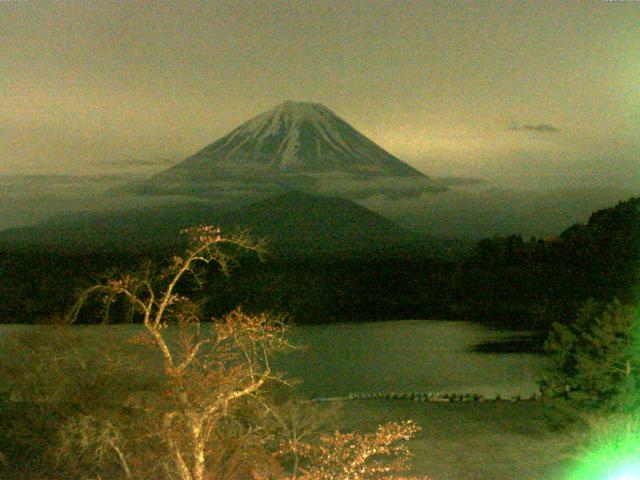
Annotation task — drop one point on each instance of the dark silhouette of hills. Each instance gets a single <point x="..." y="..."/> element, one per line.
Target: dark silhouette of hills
<point x="334" y="260"/>
<point x="607" y="250"/>
<point x="293" y="222"/>
<point x="305" y="223"/>
<point x="535" y="282"/>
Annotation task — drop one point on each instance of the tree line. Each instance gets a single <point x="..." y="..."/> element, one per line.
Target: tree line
<point x="508" y="280"/>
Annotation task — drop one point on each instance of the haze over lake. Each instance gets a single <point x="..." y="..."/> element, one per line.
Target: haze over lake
<point x="407" y="356"/>
<point x="398" y="356"/>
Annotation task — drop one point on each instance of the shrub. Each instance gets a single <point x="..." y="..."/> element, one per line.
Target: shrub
<point x="594" y="363"/>
<point x="210" y="413"/>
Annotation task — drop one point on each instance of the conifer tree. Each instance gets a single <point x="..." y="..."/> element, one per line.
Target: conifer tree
<point x="594" y="362"/>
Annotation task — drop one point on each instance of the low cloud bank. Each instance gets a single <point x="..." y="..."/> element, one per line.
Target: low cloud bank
<point x="539" y="128"/>
<point x="343" y="185"/>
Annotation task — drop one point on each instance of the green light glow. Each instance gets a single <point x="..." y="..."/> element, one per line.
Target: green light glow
<point x="619" y="460"/>
<point x="613" y="449"/>
<point x="627" y="474"/>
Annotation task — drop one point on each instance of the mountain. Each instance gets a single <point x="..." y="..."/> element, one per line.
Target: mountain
<point x="294" y="146"/>
<point x="308" y="224"/>
<point x="293" y="222"/>
<point x="294" y="137"/>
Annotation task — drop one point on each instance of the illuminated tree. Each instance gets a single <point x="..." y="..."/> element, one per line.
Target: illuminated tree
<point x="209" y="375"/>
<point x="357" y="456"/>
<point x="213" y="416"/>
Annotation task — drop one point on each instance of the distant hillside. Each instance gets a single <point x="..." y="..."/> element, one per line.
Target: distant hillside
<point x="332" y="259"/>
<point x="133" y="229"/>
<point x="474" y="212"/>
<point x="328" y="259"/>
<point x="302" y="223"/>
<point x="538" y="281"/>
<point x="606" y="250"/>
<point x="293" y="222"/>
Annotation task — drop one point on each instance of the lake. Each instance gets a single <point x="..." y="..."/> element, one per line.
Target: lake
<point x="398" y="356"/>
<point x="407" y="356"/>
<point x="471" y="441"/>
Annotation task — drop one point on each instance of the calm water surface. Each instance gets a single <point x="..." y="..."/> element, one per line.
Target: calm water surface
<point x="406" y="356"/>
<point x="401" y="356"/>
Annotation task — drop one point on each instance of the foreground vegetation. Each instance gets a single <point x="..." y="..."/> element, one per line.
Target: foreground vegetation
<point x="216" y="410"/>
<point x="592" y="388"/>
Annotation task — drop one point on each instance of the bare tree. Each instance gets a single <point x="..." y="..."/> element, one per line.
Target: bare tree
<point x="357" y="456"/>
<point x="210" y="369"/>
<point x="95" y="438"/>
<point x="61" y="399"/>
<point x="211" y="414"/>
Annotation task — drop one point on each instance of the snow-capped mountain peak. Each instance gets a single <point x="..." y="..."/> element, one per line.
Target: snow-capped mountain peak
<point x="296" y="137"/>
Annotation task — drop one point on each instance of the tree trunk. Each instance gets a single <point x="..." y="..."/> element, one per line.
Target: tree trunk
<point x="198" y="452"/>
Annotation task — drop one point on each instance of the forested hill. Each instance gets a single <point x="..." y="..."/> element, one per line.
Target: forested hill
<point x="607" y="248"/>
<point x="291" y="223"/>
<point x="540" y="280"/>
<point x="508" y="280"/>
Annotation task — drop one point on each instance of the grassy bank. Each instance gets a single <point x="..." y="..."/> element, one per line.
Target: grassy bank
<point x="471" y="441"/>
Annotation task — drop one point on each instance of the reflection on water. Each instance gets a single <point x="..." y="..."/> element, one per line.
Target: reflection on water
<point x="406" y="356"/>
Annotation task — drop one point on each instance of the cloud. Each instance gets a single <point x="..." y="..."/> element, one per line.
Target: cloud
<point x="334" y="184"/>
<point x="539" y="128"/>
<point x="391" y="187"/>
<point x="139" y="162"/>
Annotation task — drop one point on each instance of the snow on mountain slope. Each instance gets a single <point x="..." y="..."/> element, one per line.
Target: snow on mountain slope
<point x="297" y="137"/>
<point x="294" y="146"/>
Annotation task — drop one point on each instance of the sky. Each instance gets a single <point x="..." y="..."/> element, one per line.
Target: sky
<point x="531" y="93"/>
